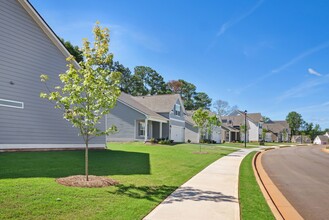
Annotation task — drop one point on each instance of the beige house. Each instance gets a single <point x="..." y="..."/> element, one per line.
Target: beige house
<point x="277" y="131"/>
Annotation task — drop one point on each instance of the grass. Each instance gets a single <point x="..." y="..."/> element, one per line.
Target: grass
<point x="147" y="175"/>
<point x="253" y="144"/>
<point x="252" y="203"/>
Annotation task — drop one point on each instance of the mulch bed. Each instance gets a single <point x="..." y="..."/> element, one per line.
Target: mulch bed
<point x="204" y="152"/>
<point x="93" y="182"/>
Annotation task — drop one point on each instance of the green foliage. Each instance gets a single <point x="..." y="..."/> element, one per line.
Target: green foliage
<point x="126" y="78"/>
<point x="264" y="131"/>
<point x="74" y="50"/>
<point x="295" y="121"/>
<point x="266" y="119"/>
<point x="202" y="100"/>
<point x="89" y="92"/>
<point x="188" y="91"/>
<point x="311" y="130"/>
<point x="252" y="202"/>
<point x="200" y="118"/>
<point x="146" y="81"/>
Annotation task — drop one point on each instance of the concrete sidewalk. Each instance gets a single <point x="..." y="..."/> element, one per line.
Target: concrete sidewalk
<point x="211" y="194"/>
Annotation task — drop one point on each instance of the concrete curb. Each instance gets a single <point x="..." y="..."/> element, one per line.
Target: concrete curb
<point x="280" y="206"/>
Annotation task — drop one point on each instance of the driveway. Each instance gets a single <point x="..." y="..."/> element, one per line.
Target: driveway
<point x="302" y="175"/>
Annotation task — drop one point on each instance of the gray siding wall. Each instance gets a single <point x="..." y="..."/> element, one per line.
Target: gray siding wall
<point x="178" y="117"/>
<point x="191" y="133"/>
<point x="26" y="52"/>
<point x="124" y="118"/>
<point x="156" y="129"/>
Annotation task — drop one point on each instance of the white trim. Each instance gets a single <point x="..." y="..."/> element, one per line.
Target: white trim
<point x="45" y="146"/>
<point x="174" y="119"/>
<point x="11" y="106"/>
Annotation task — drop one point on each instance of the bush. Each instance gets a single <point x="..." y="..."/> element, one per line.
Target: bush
<point x="262" y="143"/>
<point x="188" y="141"/>
<point x="167" y="142"/>
<point x="153" y="141"/>
<point x="223" y="141"/>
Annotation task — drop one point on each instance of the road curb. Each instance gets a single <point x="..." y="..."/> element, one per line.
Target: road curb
<point x="279" y="205"/>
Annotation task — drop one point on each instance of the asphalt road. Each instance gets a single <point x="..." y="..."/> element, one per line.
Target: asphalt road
<point x="302" y="175"/>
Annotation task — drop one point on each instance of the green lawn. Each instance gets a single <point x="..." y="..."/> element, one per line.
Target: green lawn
<point x="147" y="174"/>
<point x="252" y="203"/>
<point x="253" y="144"/>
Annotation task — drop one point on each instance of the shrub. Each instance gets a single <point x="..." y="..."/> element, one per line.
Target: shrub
<point x="188" y="141"/>
<point x="153" y="141"/>
<point x="223" y="141"/>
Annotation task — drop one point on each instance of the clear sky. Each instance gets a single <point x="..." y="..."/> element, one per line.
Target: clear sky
<point x="264" y="56"/>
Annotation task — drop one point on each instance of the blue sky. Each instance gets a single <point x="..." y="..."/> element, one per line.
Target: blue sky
<point x="264" y="56"/>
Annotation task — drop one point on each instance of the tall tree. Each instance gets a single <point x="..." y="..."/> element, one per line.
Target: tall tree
<point x="138" y="85"/>
<point x="175" y="86"/>
<point x="147" y="81"/>
<point x="87" y="94"/>
<point x="126" y="79"/>
<point x="74" y="50"/>
<point x="202" y="100"/>
<point x="223" y="108"/>
<point x="295" y="121"/>
<point x="266" y="119"/>
<point x="188" y="91"/>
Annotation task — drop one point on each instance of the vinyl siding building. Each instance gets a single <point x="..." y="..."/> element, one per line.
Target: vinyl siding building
<point x="30" y="48"/>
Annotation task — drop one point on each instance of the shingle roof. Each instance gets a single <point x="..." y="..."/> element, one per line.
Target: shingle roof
<point x="131" y="102"/>
<point x="323" y="138"/>
<point x="158" y="103"/>
<point x="274" y="127"/>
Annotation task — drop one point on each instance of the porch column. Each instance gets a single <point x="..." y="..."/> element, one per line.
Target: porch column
<point x="146" y="129"/>
<point x="160" y="134"/>
<point x="229" y="136"/>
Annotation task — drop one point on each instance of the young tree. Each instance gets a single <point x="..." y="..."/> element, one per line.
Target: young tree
<point x="200" y="118"/>
<point x="295" y="121"/>
<point x="284" y="133"/>
<point x="212" y="122"/>
<point x="243" y="131"/>
<point x="264" y="131"/>
<point x="88" y="93"/>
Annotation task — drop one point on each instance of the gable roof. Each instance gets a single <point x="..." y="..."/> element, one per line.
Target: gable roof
<point x="132" y="103"/>
<point x="46" y="29"/>
<point x="274" y="127"/>
<point x="160" y="103"/>
<point x="237" y="117"/>
<point x="323" y="138"/>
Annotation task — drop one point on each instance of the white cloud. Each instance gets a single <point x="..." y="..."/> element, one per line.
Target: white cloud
<point x="304" y="88"/>
<point x="313" y="72"/>
<point x="301" y="56"/>
<point x="230" y="23"/>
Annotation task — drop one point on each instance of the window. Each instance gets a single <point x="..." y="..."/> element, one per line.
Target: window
<point x="11" y="104"/>
<point x="177" y="109"/>
<point x="141" y="128"/>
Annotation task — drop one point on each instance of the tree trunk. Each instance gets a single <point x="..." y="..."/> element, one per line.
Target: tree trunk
<point x="86" y="161"/>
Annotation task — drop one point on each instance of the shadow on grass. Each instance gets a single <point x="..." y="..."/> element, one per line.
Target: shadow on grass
<point x="66" y="163"/>
<point x="159" y="193"/>
<point x="151" y="193"/>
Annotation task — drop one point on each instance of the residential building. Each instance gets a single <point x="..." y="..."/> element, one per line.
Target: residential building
<point x="192" y="133"/>
<point x="140" y="118"/>
<point x="277" y="131"/>
<point x="232" y="130"/>
<point x="30" y="48"/>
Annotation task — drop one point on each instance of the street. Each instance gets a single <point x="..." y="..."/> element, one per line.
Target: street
<point x="301" y="174"/>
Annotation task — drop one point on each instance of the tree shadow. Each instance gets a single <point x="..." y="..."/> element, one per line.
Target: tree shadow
<point x="66" y="163"/>
<point x="192" y="194"/>
<point x="151" y="193"/>
<point x="158" y="193"/>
